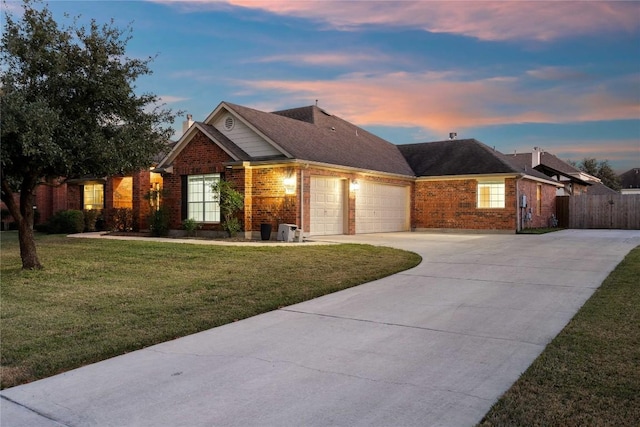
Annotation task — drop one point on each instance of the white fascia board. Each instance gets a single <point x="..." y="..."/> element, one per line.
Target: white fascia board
<point x="585" y="177"/>
<point x="545" y="181"/>
<point x="214" y="113"/>
<point x="213" y="138"/>
<point x="482" y="177"/>
<point x="210" y="119"/>
<point x="327" y="166"/>
<point x="182" y="142"/>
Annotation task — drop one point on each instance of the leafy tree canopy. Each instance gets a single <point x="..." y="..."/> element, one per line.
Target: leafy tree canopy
<point x="599" y="169"/>
<point x="69" y="104"/>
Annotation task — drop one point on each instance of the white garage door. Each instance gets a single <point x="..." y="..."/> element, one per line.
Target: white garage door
<point x="382" y="208"/>
<point x="327" y="206"/>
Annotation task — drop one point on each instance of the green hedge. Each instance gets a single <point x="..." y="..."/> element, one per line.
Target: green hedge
<point x="66" y="222"/>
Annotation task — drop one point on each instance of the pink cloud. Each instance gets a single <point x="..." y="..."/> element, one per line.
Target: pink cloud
<point x="324" y="59"/>
<point x="441" y="102"/>
<point x="493" y="20"/>
<point x="557" y="73"/>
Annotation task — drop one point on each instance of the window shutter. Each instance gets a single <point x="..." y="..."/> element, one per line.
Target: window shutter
<point x="183" y="197"/>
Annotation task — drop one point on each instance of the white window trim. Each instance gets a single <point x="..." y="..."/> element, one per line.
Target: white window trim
<point x="496" y="201"/>
<point x="208" y="200"/>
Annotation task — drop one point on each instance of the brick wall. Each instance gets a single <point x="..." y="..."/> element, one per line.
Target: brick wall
<point x="451" y="204"/>
<point x="269" y="203"/>
<point x="140" y="201"/>
<point x="200" y="156"/>
<point x="539" y="214"/>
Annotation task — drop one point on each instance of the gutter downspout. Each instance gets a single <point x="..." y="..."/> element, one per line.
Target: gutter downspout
<point x="518" y="208"/>
<point x="301" y="237"/>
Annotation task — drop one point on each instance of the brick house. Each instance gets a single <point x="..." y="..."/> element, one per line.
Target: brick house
<point x="307" y="167"/>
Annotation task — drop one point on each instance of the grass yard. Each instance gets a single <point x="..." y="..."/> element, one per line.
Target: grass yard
<point x="96" y="299"/>
<point x="590" y="373"/>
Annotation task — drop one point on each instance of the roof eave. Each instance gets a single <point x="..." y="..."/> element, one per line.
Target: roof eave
<point x="307" y="163"/>
<point x="469" y="176"/>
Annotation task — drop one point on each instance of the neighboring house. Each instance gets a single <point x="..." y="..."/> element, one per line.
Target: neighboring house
<point x="630" y="181"/>
<point x="575" y="182"/>
<point x="599" y="189"/>
<point x="306" y="167"/>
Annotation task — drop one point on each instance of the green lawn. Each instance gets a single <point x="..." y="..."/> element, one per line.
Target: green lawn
<point x="590" y="373"/>
<point x="100" y="298"/>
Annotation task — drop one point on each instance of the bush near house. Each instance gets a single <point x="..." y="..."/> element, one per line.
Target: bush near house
<point x="120" y="219"/>
<point x="159" y="222"/>
<point x="66" y="222"/>
<point x="90" y="219"/>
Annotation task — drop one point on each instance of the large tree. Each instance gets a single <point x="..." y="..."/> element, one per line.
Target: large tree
<point x="69" y="108"/>
<point x="600" y="169"/>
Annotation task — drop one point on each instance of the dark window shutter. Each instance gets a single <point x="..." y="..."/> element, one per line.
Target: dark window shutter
<point x="183" y="198"/>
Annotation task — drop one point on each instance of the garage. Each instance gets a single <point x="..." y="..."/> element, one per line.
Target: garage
<point x="327" y="205"/>
<point x="382" y="208"/>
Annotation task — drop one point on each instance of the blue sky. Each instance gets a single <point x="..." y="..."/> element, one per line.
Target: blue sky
<point x="561" y="75"/>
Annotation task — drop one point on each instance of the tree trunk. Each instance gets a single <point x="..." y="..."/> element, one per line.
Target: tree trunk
<point x="28" y="251"/>
<point x="23" y="215"/>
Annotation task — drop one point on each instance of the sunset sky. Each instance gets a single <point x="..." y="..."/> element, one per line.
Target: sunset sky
<point x="564" y="76"/>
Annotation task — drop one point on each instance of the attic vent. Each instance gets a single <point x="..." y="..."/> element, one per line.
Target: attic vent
<point x="229" y="123"/>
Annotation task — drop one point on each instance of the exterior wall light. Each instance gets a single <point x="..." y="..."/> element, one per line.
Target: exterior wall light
<point x="289" y="184"/>
<point x="354" y="185"/>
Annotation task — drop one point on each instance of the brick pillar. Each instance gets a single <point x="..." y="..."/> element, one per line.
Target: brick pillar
<point x="140" y="202"/>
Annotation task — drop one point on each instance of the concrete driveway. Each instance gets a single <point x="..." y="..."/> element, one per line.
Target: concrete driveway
<point x="432" y="346"/>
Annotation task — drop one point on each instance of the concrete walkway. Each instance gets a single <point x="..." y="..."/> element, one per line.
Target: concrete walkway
<point x="432" y="346"/>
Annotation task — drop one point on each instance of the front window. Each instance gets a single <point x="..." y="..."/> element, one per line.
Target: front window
<point x="202" y="203"/>
<point x="93" y="197"/>
<point x="491" y="194"/>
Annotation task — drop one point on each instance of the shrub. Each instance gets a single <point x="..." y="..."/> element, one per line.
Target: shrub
<point x="121" y="219"/>
<point x="190" y="225"/>
<point x="232" y="226"/>
<point x="90" y="218"/>
<point x="66" y="222"/>
<point x="159" y="222"/>
<point x="231" y="201"/>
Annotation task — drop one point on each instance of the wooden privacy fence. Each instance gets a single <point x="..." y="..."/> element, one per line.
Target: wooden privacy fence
<point x="611" y="211"/>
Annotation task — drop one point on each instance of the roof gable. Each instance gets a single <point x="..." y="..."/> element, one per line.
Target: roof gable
<point x="243" y="133"/>
<point x="210" y="132"/>
<point x="312" y="134"/>
<point x="550" y="165"/>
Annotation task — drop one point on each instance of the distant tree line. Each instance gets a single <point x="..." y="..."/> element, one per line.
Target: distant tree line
<point x="600" y="169"/>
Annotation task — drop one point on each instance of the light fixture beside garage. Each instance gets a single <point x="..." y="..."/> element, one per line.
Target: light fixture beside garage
<point x="289" y="183"/>
<point x="354" y="185"/>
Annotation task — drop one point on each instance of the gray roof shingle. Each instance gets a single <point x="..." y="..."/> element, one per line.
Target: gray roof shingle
<point x="455" y="157"/>
<point x="630" y="179"/>
<point x="599" y="189"/>
<point x="310" y="133"/>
